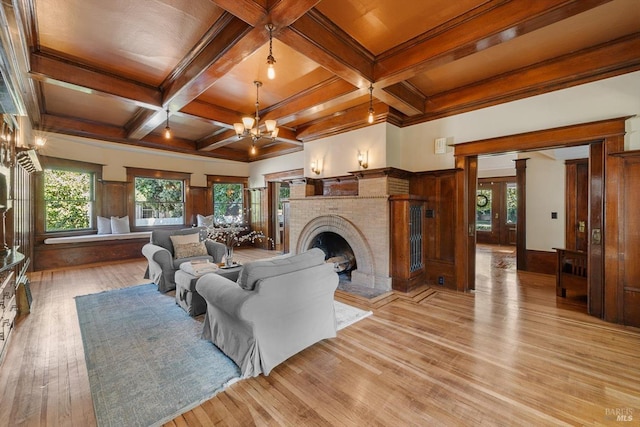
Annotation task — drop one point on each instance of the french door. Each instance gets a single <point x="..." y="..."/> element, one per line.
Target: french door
<point x="496" y="211"/>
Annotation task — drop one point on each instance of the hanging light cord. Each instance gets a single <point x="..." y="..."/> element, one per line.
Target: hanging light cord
<point x="371" y="112"/>
<point x="271" y="73"/>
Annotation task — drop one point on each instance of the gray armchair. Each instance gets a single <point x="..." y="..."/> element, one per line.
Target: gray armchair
<point x="163" y="264"/>
<point x="277" y="308"/>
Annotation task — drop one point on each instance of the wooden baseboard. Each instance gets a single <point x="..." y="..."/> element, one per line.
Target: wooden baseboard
<point x="541" y="262"/>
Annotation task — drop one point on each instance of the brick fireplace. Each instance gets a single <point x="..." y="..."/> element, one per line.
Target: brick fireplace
<point x="362" y="219"/>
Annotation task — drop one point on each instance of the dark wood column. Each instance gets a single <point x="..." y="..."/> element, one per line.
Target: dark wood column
<point x="613" y="235"/>
<point x="466" y="183"/>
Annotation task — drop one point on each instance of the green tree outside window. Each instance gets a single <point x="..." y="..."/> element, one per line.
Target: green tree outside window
<point x="159" y="201"/>
<point x="228" y="203"/>
<point x="68" y="200"/>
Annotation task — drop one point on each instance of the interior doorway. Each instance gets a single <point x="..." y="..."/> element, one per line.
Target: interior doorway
<point x="605" y="140"/>
<point x="496" y="211"/>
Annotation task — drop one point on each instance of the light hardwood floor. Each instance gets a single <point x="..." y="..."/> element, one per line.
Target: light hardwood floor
<point x="510" y="353"/>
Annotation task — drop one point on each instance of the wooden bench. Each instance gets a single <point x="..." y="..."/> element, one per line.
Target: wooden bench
<point x="572" y="272"/>
<point x="58" y="252"/>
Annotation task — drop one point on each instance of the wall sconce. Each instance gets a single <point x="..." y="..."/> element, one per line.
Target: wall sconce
<point x="315" y="167"/>
<point x="363" y="159"/>
<point x="40" y="141"/>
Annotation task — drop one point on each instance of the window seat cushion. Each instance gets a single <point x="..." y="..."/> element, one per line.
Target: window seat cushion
<point x="97" y="237"/>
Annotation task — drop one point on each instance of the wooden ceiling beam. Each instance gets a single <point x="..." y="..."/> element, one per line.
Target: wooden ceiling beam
<point x="228" y="137"/>
<point x="320" y="96"/>
<point x="249" y="11"/>
<point x="483" y="28"/>
<point x="219" y="116"/>
<point x="282" y="14"/>
<point x="323" y="42"/>
<point x="227" y="43"/>
<point x="271" y="151"/>
<point x="403" y="95"/>
<point x="220" y="139"/>
<point x="286" y="12"/>
<point x="606" y="60"/>
<point x="54" y="70"/>
<point x="102" y="132"/>
<point x="353" y="118"/>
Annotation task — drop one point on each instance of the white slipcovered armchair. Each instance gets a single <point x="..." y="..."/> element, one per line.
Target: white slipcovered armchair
<point x="276" y="309"/>
<point x="164" y="259"/>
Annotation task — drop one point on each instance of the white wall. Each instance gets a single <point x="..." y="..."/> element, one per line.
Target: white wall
<point x="545" y="194"/>
<point x="116" y="157"/>
<point x="495" y="166"/>
<point x="258" y="169"/>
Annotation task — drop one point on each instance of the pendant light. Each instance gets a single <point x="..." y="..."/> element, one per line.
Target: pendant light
<point x="167" y="129"/>
<point x="271" y="72"/>
<point x="370" y="118"/>
<point x="250" y="126"/>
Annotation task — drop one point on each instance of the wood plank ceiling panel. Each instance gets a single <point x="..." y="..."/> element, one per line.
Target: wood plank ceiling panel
<point x="143" y="40"/>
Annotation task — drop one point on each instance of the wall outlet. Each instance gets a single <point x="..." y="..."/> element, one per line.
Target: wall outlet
<point x="441" y="280"/>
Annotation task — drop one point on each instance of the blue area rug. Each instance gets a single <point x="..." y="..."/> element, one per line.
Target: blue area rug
<point x="146" y="361"/>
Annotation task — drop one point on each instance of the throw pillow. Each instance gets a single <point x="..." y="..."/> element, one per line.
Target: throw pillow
<point x="104" y="225"/>
<point x="183" y="239"/>
<point x="188" y="250"/>
<point x="254" y="271"/>
<point x="162" y="238"/>
<point x="204" y="221"/>
<point x="120" y="225"/>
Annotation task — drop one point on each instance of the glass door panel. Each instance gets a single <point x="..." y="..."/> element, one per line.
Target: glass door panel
<point x="483" y="209"/>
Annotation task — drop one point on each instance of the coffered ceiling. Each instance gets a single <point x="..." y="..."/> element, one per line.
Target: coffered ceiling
<point x="109" y="69"/>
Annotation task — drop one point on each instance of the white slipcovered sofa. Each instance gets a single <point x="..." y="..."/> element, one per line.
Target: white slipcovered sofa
<point x="277" y="308"/>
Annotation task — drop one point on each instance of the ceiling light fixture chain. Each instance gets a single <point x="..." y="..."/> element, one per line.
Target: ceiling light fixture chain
<point x="246" y="128"/>
<point x="371" y="112"/>
<point x="271" y="72"/>
<point x="167" y="129"/>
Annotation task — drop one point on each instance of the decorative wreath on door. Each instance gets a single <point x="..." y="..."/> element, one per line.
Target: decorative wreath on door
<point x="482" y="200"/>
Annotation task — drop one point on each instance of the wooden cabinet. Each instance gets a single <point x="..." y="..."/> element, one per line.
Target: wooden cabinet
<point x="8" y="302"/>
<point x="407" y="255"/>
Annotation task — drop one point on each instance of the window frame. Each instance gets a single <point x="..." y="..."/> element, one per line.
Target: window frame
<point x="73" y="166"/>
<point x="133" y="173"/>
<point x="224" y="179"/>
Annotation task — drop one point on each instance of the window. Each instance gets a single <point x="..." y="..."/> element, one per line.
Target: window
<point x="228" y="203"/>
<point x="512" y="203"/>
<point x="159" y="201"/>
<point x="68" y="200"/>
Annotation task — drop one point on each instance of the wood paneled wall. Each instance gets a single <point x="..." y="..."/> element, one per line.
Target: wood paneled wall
<point x="439" y="190"/>
<point x="22" y="219"/>
<point x="628" y="241"/>
<point x="576" y="204"/>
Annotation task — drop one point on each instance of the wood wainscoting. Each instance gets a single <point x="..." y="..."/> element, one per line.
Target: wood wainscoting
<point x="541" y="261"/>
<point x="62" y="255"/>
